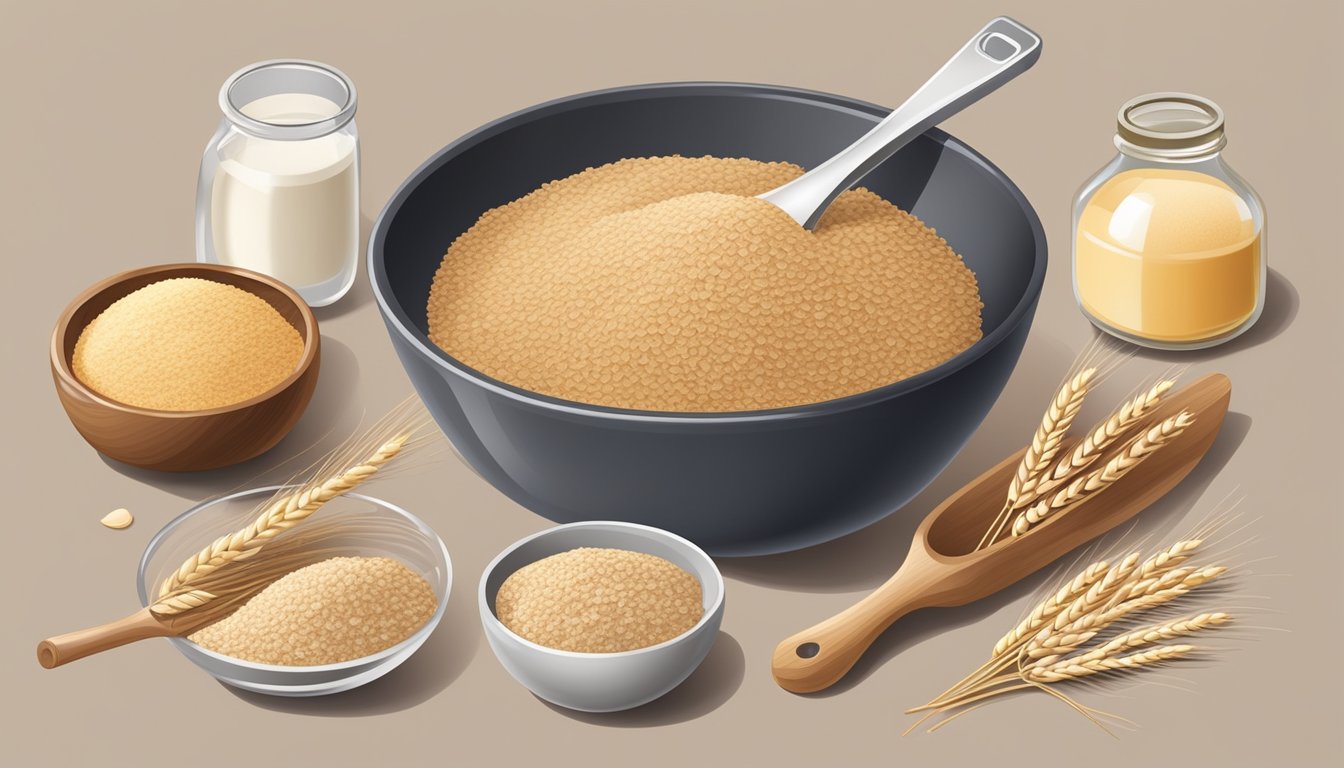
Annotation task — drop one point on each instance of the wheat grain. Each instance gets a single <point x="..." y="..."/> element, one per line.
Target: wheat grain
<point x="283" y="514"/>
<point x="1098" y="480"/>
<point x="1090" y="448"/>
<point x="1068" y="670"/>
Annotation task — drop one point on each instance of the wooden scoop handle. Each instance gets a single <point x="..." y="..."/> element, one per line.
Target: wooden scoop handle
<point x="62" y="649"/>
<point x="816" y="658"/>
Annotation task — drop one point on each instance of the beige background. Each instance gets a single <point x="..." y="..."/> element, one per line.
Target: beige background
<point x="109" y="105"/>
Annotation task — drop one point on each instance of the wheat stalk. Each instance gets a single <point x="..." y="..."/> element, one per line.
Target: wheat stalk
<point x="226" y="589"/>
<point x="1068" y="670"/>
<point x="1098" y="480"/>
<point x="1152" y="635"/>
<point x="1064" y="609"/>
<point x="178" y="603"/>
<point x="1090" y="448"/>
<point x="1053" y="605"/>
<point x="1054" y="426"/>
<point x="1095" y="596"/>
<point x="284" y="513"/>
<point x="1049" y="645"/>
<point x="1170" y="586"/>
<point x="1152" y="568"/>
<point x="1045" y="444"/>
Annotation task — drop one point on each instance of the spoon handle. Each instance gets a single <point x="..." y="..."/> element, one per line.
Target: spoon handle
<point x="816" y="658"/>
<point x="63" y="649"/>
<point x="996" y="54"/>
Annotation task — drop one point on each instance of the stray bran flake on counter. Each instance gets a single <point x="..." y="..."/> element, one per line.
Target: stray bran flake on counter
<point x="663" y="284"/>
<point x="332" y="611"/>
<point x="591" y="600"/>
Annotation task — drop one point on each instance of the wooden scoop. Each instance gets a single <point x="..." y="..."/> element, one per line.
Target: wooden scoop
<point x="141" y="625"/>
<point x="944" y="569"/>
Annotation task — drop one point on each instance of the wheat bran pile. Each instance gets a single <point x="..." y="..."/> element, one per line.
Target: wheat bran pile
<point x="662" y="284"/>
<point x="592" y="600"/>
<point x="332" y="611"/>
<point x="186" y="344"/>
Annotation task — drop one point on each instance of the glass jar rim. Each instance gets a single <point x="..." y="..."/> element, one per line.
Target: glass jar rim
<point x="1170" y="123"/>
<point x="276" y="76"/>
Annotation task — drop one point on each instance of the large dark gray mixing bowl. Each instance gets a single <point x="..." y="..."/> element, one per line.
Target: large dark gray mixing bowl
<point x="739" y="483"/>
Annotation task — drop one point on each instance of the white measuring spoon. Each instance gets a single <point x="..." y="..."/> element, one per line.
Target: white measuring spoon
<point x="996" y="54"/>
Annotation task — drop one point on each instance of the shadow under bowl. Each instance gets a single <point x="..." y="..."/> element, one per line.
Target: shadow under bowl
<point x="603" y="682"/>
<point x="746" y="483"/>
<point x="384" y="530"/>
<point x="184" y="441"/>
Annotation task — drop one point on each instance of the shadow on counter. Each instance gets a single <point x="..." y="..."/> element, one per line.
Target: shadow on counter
<point x="440" y="661"/>
<point x="711" y="685"/>
<point x="332" y="416"/>
<point x="1156" y="525"/>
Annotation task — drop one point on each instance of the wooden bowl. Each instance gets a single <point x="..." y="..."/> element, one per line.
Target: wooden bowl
<point x="184" y="441"/>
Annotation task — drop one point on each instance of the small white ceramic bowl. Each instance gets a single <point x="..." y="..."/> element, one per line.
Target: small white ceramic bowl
<point x="603" y="682"/>
<point x="384" y="530"/>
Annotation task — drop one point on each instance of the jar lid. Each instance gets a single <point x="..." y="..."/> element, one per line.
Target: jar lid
<point x="1180" y="123"/>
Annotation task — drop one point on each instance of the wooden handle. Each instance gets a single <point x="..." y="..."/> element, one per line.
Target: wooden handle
<point x="62" y="649"/>
<point x="816" y="658"/>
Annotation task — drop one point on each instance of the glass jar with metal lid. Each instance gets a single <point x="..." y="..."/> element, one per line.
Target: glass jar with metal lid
<point x="279" y="185"/>
<point x="1168" y="241"/>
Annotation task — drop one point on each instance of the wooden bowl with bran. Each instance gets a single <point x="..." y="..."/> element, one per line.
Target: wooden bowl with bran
<point x="184" y="441"/>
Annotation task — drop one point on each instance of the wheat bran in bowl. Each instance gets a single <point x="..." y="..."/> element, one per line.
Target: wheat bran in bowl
<point x="663" y="284"/>
<point x="186" y="344"/>
<point x="599" y="600"/>
<point x="336" y="610"/>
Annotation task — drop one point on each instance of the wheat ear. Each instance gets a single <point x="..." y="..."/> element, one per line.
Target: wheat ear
<point x="1090" y="448"/>
<point x="1052" y="606"/>
<point x="175" y="604"/>
<point x="1153" y="635"/>
<point x="1045" y="443"/>
<point x="1050" y="433"/>
<point x="283" y="514"/>
<point x="1069" y="670"/>
<point x="1152" y="568"/>
<point x="1097" y="480"/>
<point x="1170" y="586"/>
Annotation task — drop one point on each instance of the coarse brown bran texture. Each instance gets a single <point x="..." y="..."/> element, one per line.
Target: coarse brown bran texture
<point x="663" y="284"/>
<point x="593" y="600"/>
<point x="186" y="344"/>
<point x="336" y="610"/>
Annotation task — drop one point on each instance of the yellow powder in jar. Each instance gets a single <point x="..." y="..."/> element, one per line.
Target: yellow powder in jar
<point x="663" y="284"/>
<point x="1168" y="255"/>
<point x="597" y="600"/>
<point x="335" y="610"/>
<point x="186" y="344"/>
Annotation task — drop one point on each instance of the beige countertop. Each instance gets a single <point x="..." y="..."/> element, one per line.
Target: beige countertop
<point x="109" y="106"/>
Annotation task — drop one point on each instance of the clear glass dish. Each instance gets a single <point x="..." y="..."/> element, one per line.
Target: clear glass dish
<point x="384" y="529"/>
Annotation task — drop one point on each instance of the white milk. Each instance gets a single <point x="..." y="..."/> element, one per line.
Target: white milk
<point x="289" y="209"/>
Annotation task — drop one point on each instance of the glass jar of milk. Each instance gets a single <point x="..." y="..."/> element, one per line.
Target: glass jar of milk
<point x="279" y="185"/>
